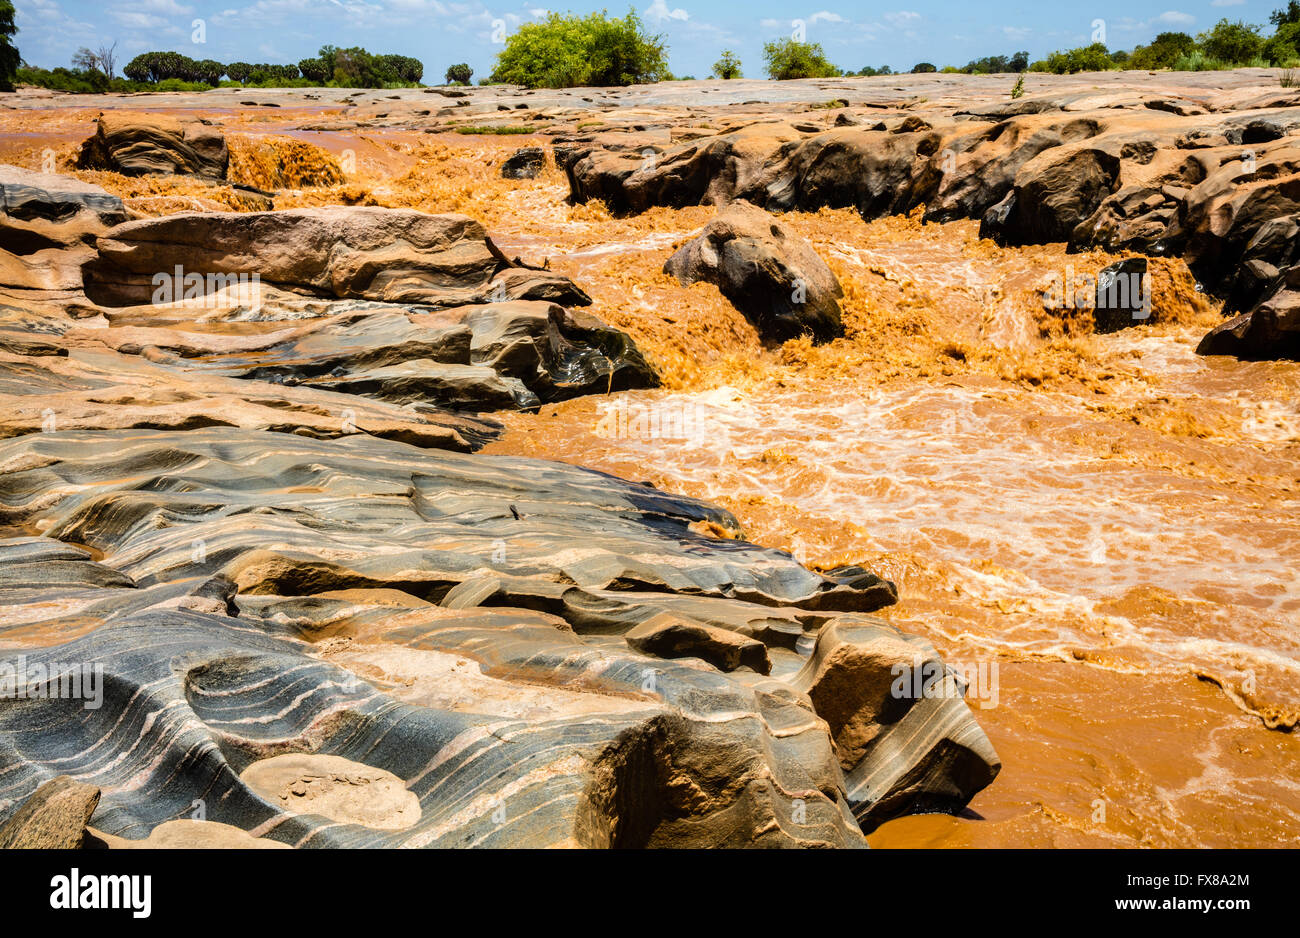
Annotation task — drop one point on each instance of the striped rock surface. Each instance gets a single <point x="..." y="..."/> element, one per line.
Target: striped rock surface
<point x="508" y="652"/>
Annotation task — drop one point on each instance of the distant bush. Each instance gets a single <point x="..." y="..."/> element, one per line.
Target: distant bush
<point x="1093" y="58"/>
<point x="921" y="68"/>
<point x="869" y="72"/>
<point x="567" y="51"/>
<point x="996" y="64"/>
<point x="459" y="74"/>
<point x="1163" y="51"/>
<point x="787" y="59"/>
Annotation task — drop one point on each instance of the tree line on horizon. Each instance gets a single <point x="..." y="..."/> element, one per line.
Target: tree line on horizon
<point x="561" y="51"/>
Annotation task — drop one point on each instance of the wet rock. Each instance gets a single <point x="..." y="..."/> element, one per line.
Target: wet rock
<point x="1270" y="330"/>
<point x="1123" y="295"/>
<point x="1052" y="195"/>
<point x="137" y="145"/>
<point x="869" y="683"/>
<point x="54" y="817"/>
<point x="771" y="275"/>
<point x="524" y="163"/>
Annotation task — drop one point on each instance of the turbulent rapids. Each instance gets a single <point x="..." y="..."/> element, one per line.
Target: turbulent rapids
<point x="706" y="467"/>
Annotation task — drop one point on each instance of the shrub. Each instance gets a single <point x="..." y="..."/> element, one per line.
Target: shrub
<point x="564" y="51"/>
<point x="787" y="59"/>
<point x="727" y="67"/>
<point x="922" y="68"/>
<point x="459" y="74"/>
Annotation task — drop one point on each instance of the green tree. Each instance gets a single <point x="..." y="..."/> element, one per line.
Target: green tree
<point x="923" y="67"/>
<point x="459" y="74"/>
<point x="9" y="57"/>
<point x="728" y="66"/>
<point x="314" y="70"/>
<point x="599" y="50"/>
<point x="1232" y="42"/>
<point x="787" y="59"/>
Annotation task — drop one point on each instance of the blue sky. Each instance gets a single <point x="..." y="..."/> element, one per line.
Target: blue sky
<point x="440" y="32"/>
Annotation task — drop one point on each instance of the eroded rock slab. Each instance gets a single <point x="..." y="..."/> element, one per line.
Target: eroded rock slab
<point x="318" y="586"/>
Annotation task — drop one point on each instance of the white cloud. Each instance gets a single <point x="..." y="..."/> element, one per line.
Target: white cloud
<point x="1176" y="18"/>
<point x="826" y="16"/>
<point x="1226" y="3"/>
<point x="658" y="11"/>
<point x="902" y="18"/>
<point x="1016" y="32"/>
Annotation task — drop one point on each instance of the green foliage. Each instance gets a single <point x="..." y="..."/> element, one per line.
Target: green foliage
<point x="9" y="57"/>
<point x="787" y="59"/>
<point x="923" y="67"/>
<point x="459" y="74"/>
<point x="728" y="66"/>
<point x="313" y="70"/>
<point x="159" y="66"/>
<point x="567" y="51"/>
<point x="1093" y="58"/>
<point x="1163" y="52"/>
<point x="1198" y="61"/>
<point x="1291" y="14"/>
<point x="1284" y="45"/>
<point x="1232" y="42"/>
<point x="869" y="72"/>
<point x="1018" y="89"/>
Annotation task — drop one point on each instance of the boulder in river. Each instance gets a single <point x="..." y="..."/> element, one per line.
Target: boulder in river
<point x="138" y="145"/>
<point x="769" y="273"/>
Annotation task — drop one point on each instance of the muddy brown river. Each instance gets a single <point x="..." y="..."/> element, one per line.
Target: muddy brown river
<point x="1099" y="531"/>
